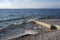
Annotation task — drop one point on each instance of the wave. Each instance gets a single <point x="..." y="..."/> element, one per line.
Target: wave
<point x="26" y="32"/>
<point x="29" y="17"/>
<point x="17" y="30"/>
<point x="23" y="24"/>
<point x="13" y="19"/>
<point x="13" y="25"/>
<point x="17" y="33"/>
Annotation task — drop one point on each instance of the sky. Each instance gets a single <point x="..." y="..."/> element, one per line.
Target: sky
<point x="29" y="3"/>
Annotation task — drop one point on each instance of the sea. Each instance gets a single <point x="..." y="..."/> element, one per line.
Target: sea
<point x="14" y="22"/>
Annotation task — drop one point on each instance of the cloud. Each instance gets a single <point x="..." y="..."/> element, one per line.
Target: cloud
<point x="25" y="1"/>
<point x="28" y="4"/>
<point x="39" y="5"/>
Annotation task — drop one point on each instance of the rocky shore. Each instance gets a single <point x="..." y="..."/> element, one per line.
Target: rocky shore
<point x="44" y="34"/>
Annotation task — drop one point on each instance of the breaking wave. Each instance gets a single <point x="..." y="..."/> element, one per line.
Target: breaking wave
<point x="17" y="30"/>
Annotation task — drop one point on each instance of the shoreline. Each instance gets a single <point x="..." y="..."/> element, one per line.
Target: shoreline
<point x="45" y="34"/>
<point x="41" y="35"/>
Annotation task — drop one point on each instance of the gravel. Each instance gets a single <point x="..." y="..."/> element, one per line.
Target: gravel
<point x="45" y="34"/>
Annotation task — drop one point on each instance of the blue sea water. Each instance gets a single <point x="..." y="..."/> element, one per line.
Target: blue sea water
<point x="8" y="17"/>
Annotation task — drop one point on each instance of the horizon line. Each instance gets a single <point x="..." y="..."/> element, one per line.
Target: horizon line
<point x="29" y="8"/>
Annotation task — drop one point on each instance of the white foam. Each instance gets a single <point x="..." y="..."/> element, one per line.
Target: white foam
<point x="30" y="20"/>
<point x="30" y="32"/>
<point x="26" y="32"/>
<point x="17" y="23"/>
